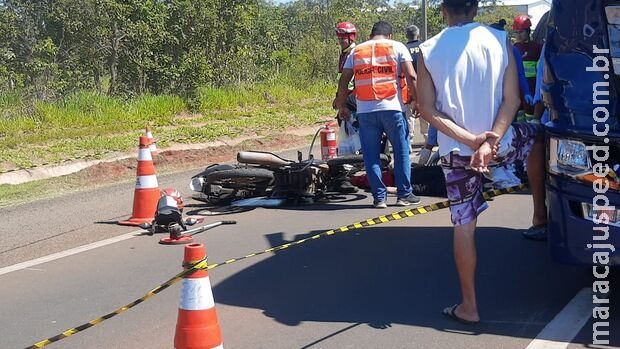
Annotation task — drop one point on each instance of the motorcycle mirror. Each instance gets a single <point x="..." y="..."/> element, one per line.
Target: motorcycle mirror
<point x="191" y="221"/>
<point x="300" y="157"/>
<point x="145" y="226"/>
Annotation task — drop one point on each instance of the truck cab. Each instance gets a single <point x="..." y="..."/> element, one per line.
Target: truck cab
<point x="581" y="88"/>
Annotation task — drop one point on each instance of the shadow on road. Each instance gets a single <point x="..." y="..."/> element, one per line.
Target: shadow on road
<point x="406" y="275"/>
<point x="332" y="202"/>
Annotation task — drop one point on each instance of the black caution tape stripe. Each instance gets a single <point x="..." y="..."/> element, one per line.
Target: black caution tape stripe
<point x="203" y="265"/>
<point x="369" y="222"/>
<point x="70" y="332"/>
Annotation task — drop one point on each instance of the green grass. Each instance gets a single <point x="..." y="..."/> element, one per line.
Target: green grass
<point x="35" y="132"/>
<point x="281" y="91"/>
<point x="16" y="194"/>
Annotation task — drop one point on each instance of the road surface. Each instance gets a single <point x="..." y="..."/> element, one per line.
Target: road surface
<point x="378" y="287"/>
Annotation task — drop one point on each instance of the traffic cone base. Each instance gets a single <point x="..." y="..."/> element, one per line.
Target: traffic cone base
<point x="169" y="240"/>
<point x="135" y="221"/>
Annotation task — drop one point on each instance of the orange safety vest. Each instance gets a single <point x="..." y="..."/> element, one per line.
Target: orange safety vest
<point x="404" y="89"/>
<point x="375" y="66"/>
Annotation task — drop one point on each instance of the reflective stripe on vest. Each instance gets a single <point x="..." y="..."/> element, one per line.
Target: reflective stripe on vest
<point x="530" y="68"/>
<point x="374" y="66"/>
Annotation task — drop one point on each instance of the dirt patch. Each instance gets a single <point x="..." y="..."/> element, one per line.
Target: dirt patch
<point x="170" y="161"/>
<point x="177" y="158"/>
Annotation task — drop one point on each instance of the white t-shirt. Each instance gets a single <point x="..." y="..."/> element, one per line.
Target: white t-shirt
<point x="394" y="103"/>
<point x="467" y="64"/>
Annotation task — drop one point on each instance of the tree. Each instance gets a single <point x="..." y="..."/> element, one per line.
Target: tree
<point x="51" y="48"/>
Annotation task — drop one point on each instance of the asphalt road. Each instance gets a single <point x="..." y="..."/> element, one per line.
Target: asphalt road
<point x="378" y="287"/>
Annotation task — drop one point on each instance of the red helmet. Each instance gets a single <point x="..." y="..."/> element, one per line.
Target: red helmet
<point x="522" y="22"/>
<point x="346" y="30"/>
<point x="175" y="195"/>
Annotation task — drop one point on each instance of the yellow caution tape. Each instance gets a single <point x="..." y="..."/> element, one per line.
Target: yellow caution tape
<point x="374" y="221"/>
<point x="202" y="265"/>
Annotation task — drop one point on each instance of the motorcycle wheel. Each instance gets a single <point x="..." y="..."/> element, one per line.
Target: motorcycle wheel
<point x="237" y="183"/>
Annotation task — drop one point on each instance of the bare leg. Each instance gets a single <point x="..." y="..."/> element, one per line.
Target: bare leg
<point x="465" y="258"/>
<point x="536" y="176"/>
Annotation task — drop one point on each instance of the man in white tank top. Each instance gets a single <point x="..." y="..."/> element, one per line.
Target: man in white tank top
<point x="468" y="89"/>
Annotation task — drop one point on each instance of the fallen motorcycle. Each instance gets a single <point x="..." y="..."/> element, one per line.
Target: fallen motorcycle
<point x="265" y="174"/>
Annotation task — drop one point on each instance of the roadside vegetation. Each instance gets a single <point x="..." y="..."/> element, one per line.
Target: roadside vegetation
<point x="87" y="123"/>
<point x="84" y="77"/>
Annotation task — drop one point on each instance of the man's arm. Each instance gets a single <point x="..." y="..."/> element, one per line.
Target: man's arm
<point x="411" y="77"/>
<point x="510" y="99"/>
<point x="343" y="92"/>
<point x="442" y="122"/>
<point x="507" y="110"/>
<point x="539" y="106"/>
<point x="523" y="84"/>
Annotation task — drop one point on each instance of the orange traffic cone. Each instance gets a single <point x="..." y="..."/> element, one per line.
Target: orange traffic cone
<point x="146" y="193"/>
<point x="197" y="325"/>
<point x="152" y="141"/>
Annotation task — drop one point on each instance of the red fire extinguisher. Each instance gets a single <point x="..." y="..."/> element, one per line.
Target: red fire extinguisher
<point x="328" y="141"/>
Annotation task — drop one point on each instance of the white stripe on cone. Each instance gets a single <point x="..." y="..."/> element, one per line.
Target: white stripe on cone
<point x="196" y="294"/>
<point x="153" y="146"/>
<point x="145" y="155"/>
<point x="146" y="182"/>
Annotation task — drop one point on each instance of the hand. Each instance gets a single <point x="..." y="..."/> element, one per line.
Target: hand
<point x="488" y="135"/>
<point x="344" y="113"/>
<point x="529" y="99"/>
<point x="495" y="149"/>
<point x="481" y="158"/>
<point x="412" y="97"/>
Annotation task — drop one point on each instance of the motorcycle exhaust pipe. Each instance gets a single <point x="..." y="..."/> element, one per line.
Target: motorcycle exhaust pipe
<point x="260" y="158"/>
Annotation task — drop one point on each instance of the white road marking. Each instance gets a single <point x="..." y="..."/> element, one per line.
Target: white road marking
<point x="54" y="256"/>
<point x="559" y="333"/>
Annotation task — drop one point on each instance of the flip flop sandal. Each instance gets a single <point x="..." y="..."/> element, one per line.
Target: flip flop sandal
<point x="450" y="313"/>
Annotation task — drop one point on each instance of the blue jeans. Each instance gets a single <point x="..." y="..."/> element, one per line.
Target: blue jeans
<point x="372" y="126"/>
